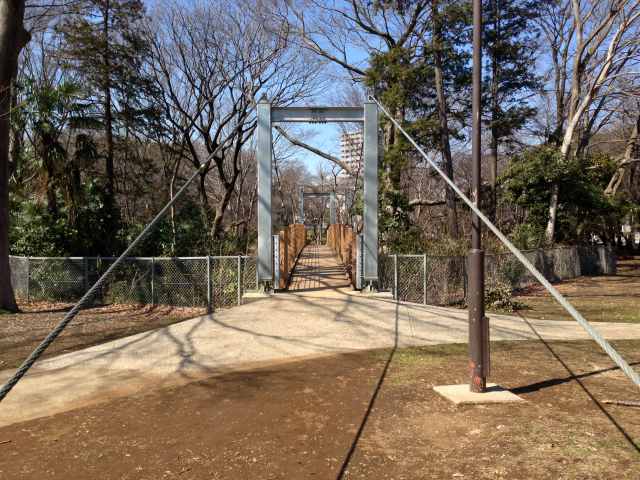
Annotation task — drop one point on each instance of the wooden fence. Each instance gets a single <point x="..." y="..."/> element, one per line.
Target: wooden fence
<point x="292" y="241"/>
<point x="342" y="240"/>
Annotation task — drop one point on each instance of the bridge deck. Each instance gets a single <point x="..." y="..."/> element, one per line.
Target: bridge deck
<point x="318" y="269"/>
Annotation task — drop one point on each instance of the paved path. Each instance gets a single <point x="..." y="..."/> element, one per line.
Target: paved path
<point x="279" y="328"/>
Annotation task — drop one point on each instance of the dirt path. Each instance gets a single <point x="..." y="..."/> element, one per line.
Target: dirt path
<point x="348" y="417"/>
<point x="279" y="328"/>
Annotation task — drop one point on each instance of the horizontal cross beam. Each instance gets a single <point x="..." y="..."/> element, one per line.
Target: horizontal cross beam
<point x="311" y="194"/>
<point x="317" y="114"/>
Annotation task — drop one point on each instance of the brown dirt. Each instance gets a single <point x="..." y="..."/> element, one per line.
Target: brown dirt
<point x="302" y="420"/>
<point x="21" y="332"/>
<point x="607" y="298"/>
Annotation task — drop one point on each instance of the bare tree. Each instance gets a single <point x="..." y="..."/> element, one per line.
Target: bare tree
<point x="211" y="61"/>
<point x="591" y="43"/>
<point x="627" y="162"/>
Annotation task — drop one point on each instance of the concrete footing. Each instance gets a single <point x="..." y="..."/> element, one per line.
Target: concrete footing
<point x="461" y="395"/>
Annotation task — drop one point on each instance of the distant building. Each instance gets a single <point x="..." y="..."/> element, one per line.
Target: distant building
<point x="351" y="150"/>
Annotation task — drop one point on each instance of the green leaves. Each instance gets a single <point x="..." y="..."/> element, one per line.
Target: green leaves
<point x="584" y="210"/>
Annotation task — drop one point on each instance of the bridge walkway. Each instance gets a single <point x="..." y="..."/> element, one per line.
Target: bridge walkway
<point x="318" y="268"/>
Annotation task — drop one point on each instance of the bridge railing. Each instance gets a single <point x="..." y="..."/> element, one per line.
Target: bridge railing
<point x="342" y="240"/>
<point x="292" y="240"/>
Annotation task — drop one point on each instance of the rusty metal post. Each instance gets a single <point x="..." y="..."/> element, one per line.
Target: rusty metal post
<point x="478" y="323"/>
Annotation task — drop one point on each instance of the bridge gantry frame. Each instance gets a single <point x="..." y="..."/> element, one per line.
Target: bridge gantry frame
<point x="267" y="116"/>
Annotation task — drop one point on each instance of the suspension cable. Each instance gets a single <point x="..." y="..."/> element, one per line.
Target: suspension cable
<point x="71" y="314"/>
<point x="606" y="346"/>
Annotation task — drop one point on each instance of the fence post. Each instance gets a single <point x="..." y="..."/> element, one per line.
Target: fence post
<point x="424" y="278"/>
<point x="395" y="277"/>
<point x="85" y="273"/>
<point x="359" y="260"/>
<point x="28" y="278"/>
<point x="276" y="262"/>
<point x="153" y="280"/>
<point x="209" y="303"/>
<point x="239" y="281"/>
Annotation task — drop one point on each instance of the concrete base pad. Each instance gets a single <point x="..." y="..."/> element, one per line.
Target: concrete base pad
<point x="252" y="296"/>
<point x="460" y="394"/>
<point x="376" y="294"/>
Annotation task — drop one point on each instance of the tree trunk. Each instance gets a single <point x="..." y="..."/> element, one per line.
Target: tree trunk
<point x="550" y="232"/>
<point x="48" y="154"/>
<point x="108" y="116"/>
<point x="626" y="164"/>
<point x="495" y="113"/>
<point x="204" y="203"/>
<point x="452" y="215"/>
<point x="16" y="140"/>
<point x="172" y="211"/>
<point x="220" y="212"/>
<point x="13" y="37"/>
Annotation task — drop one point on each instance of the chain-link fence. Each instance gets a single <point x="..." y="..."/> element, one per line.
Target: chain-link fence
<point x="19" y="267"/>
<point x="439" y="280"/>
<point x="182" y="281"/>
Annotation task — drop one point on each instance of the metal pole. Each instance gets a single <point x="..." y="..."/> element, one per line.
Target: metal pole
<point x="276" y="261"/>
<point x="28" y="278"/>
<point x="478" y="323"/>
<point x="85" y="273"/>
<point x="424" y="279"/>
<point x="597" y="337"/>
<point x="209" y="303"/>
<point x="239" y="281"/>
<point x="395" y="277"/>
<point x="153" y="278"/>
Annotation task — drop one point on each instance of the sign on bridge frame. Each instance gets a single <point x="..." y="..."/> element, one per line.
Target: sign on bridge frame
<point x="267" y="116"/>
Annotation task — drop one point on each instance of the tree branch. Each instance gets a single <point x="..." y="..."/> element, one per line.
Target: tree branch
<point x="306" y="146"/>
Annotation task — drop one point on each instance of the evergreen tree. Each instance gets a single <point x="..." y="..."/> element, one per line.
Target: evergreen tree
<point x="103" y="44"/>
<point x="426" y="88"/>
<point x="510" y="55"/>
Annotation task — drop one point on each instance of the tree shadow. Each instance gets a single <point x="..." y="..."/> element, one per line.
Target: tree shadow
<point x="578" y="379"/>
<point x="374" y="396"/>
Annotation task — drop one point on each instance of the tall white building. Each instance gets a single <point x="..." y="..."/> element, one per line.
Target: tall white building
<point x="351" y="150"/>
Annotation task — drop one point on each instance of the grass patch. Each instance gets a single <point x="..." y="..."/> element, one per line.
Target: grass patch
<point x="606" y="298"/>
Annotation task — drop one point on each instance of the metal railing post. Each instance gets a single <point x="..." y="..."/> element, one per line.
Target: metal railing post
<point x="395" y="277"/>
<point x="209" y="299"/>
<point x="28" y="279"/>
<point x="239" y="280"/>
<point x="276" y="262"/>
<point x="85" y="273"/>
<point x="153" y="281"/>
<point x="424" y="279"/>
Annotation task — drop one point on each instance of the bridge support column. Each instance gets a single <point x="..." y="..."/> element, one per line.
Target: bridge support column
<point x="264" y="153"/>
<point x="370" y="227"/>
<point x="332" y="208"/>
<point x="301" y="213"/>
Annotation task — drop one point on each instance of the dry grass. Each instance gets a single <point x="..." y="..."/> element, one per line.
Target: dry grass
<point x="608" y="298"/>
